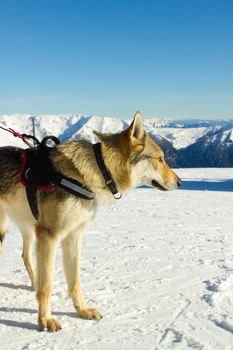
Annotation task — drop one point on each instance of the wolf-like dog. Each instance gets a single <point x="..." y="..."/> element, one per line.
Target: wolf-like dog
<point x="131" y="157"/>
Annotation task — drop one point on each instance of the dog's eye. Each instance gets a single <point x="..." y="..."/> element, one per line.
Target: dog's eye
<point x="160" y="159"/>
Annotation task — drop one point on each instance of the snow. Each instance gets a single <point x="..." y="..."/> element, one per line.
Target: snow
<point x="9" y="139"/>
<point x="159" y="265"/>
<point x="227" y="136"/>
<point x="231" y="136"/>
<point x="181" y="137"/>
<point x="181" y="133"/>
<point x="64" y="126"/>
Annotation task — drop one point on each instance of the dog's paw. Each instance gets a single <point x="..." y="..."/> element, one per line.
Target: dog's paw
<point x="49" y="325"/>
<point x="90" y="314"/>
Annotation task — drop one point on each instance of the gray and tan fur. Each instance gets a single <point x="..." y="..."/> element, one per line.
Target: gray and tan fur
<point x="132" y="157"/>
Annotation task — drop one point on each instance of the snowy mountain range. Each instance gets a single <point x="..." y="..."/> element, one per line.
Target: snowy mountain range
<point x="187" y="143"/>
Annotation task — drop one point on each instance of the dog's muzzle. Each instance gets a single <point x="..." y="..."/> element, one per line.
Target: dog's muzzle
<point x="158" y="186"/>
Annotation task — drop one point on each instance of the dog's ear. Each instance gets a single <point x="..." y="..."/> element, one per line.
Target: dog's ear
<point x="136" y="131"/>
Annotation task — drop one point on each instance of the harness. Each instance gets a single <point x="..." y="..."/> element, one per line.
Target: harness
<point x="38" y="173"/>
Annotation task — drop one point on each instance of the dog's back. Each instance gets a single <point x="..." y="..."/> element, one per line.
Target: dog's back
<point x="10" y="166"/>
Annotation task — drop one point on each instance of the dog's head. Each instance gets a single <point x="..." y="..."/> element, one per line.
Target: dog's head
<point x="139" y="160"/>
<point x="148" y="165"/>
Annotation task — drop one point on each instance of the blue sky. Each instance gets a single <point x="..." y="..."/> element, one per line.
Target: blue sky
<point x="169" y="59"/>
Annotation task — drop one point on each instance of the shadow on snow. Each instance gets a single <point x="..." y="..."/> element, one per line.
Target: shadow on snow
<point x="26" y="325"/>
<point x="205" y="185"/>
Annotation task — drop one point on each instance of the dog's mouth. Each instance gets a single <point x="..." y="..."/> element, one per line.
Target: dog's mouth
<point x="158" y="186"/>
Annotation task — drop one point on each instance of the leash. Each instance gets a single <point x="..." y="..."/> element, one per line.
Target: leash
<point x="24" y="137"/>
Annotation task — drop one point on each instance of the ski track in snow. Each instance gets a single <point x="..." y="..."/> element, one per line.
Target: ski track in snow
<point x="158" y="265"/>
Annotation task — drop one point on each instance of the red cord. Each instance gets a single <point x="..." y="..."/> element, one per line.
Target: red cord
<point x="13" y="132"/>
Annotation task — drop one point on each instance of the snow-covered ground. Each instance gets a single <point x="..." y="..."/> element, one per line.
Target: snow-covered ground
<point x="158" y="265"/>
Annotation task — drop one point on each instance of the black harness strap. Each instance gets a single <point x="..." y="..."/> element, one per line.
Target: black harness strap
<point x="64" y="182"/>
<point x="106" y="174"/>
<point x="31" y="191"/>
<point x="38" y="173"/>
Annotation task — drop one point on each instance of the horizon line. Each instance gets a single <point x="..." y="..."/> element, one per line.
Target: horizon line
<point x="30" y="115"/>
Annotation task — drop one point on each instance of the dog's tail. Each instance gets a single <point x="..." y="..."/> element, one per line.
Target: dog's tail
<point x="3" y="227"/>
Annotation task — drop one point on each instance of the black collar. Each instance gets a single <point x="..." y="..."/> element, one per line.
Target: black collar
<point x="106" y="174"/>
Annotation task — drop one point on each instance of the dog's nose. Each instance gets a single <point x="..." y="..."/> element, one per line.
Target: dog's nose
<point x="179" y="182"/>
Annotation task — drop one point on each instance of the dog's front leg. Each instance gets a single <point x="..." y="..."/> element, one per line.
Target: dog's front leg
<point x="45" y="249"/>
<point x="71" y="247"/>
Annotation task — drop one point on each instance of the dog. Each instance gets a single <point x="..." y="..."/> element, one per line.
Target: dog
<point x="132" y="158"/>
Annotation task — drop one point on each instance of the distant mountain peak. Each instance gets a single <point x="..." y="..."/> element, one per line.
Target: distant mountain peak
<point x="186" y="143"/>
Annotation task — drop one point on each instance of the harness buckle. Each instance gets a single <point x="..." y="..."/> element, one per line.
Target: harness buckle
<point x="109" y="182"/>
<point x="117" y="195"/>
